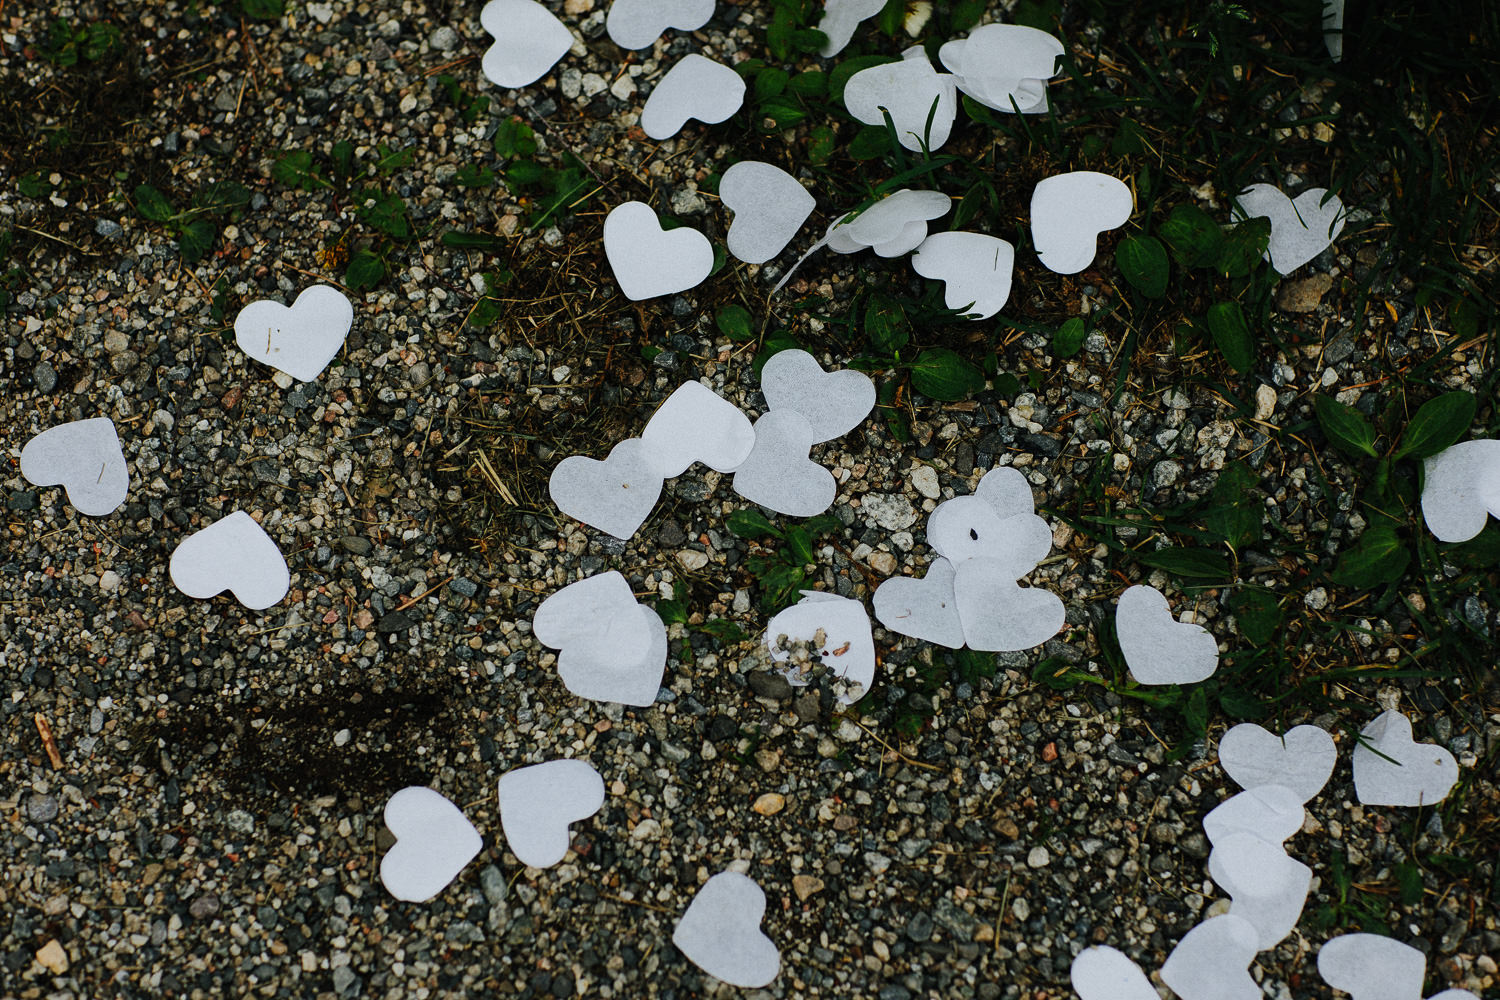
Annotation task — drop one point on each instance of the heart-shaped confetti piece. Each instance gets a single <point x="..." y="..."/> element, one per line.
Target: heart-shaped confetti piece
<point x="847" y="649"/>
<point x="720" y="932"/>
<point x="696" y="87"/>
<point x="1271" y="812"/>
<point x="1158" y="648"/>
<point x="615" y="495"/>
<point x="648" y="260"/>
<point x="998" y="614"/>
<point x="924" y="609"/>
<point x="769" y="207"/>
<point x="921" y="101"/>
<point x="1372" y="967"/>
<point x="1301" y="760"/>
<point x="1461" y="489"/>
<point x="538" y="803"/>
<point x="610" y="647"/>
<point x="235" y="554"/>
<point x="299" y="340"/>
<point x="1301" y="227"/>
<point x="1103" y="973"/>
<point x="965" y="528"/>
<point x="1212" y="961"/>
<point x="84" y="458"/>
<point x="840" y="18"/>
<point x="1004" y="66"/>
<point x="834" y="403"/>
<point x="975" y="270"/>
<point x="1069" y="211"/>
<point x="1267" y="888"/>
<point x="529" y="40"/>
<point x="696" y="424"/>
<point x="1392" y="769"/>
<point x="636" y="24"/>
<point x="778" y="474"/>
<point x="434" y="841"/>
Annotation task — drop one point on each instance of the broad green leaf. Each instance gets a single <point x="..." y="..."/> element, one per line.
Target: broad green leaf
<point x="1203" y="564"/>
<point x="1068" y="339"/>
<point x="386" y="212"/>
<point x="672" y="611"/>
<point x="1143" y="261"/>
<point x="1195" y="712"/>
<point x="723" y="630"/>
<point x="1193" y="236"/>
<point x="152" y="204"/>
<point x="294" y="168"/>
<point x="220" y="197"/>
<point x="1231" y="333"/>
<point x="940" y="374"/>
<point x="196" y="240"/>
<point x="821" y="142"/>
<point x="1058" y="674"/>
<point x="799" y="545"/>
<point x="813" y="83"/>
<point x="750" y="523"/>
<point x="1241" y="705"/>
<point x="1244" y="246"/>
<point x="365" y="271"/>
<point x="1345" y="427"/>
<point x="1378" y="558"/>
<point x="1439" y="424"/>
<point x="769" y="82"/>
<point x="734" y="321"/>
<point x="1233" y="513"/>
<point x="1258" y="613"/>
<point x="885" y="325"/>
<point x="869" y="143"/>
<point x="461" y="240"/>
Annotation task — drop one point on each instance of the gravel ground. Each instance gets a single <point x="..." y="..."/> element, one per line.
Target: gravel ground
<point x="215" y="828"/>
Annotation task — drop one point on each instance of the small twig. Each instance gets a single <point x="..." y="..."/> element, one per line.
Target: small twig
<point x="49" y="742"/>
<point x="898" y="753"/>
<point x="634" y="902"/>
<point x="413" y="600"/>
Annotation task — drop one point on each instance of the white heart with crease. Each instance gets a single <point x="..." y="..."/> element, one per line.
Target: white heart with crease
<point x="720" y="932"/>
<point x="84" y="458"/>
<point x="610" y="647"/>
<point x="434" y="841"/>
<point x="1376" y="967"/>
<point x="615" y="495"/>
<point x="975" y="270"/>
<point x="1266" y="887"/>
<point x="636" y="24"/>
<point x="1212" y="961"/>
<point x="696" y="87"/>
<point x="965" y="528"/>
<point x="539" y="803"/>
<point x="895" y="225"/>
<point x="778" y="474"/>
<point x="529" y="40"/>
<point x="912" y="92"/>
<point x="1461" y="489"/>
<point x="1301" y="760"/>
<point x="1104" y="973"/>
<point x="848" y="648"/>
<point x="1301" y="227"/>
<point x="1271" y="812"/>
<point x="299" y="340"/>
<point x="1392" y="769"/>
<point x="840" y="18"/>
<point x="924" y="609"/>
<point x="235" y="554"/>
<point x="1004" y="66"/>
<point x="648" y="260"/>
<point x="998" y="614"/>
<point x="1069" y="211"/>
<point x="1158" y="648"/>
<point x="696" y="424"/>
<point x="769" y="207"/>
<point x="834" y="403"/>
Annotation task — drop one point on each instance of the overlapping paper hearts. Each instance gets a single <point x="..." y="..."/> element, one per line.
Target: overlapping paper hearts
<point x="1211" y="962"/>
<point x="840" y="630"/>
<point x="1004" y="66"/>
<point x="1461" y="489"/>
<point x="1157" y="647"/>
<point x="1301" y="228"/>
<point x="540" y="802"/>
<point x="235" y="554"/>
<point x="84" y="458"/>
<point x="529" y="40"/>
<point x="434" y="842"/>
<point x="610" y="647"/>
<point x="301" y="339"/>
<point x="720" y="932"/>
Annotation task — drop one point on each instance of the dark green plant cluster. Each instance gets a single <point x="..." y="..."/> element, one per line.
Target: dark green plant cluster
<point x="68" y="43"/>
<point x="780" y="572"/>
<point x="196" y="225"/>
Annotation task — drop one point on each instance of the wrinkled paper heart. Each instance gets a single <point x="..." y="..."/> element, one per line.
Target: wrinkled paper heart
<point x="84" y="458"/>
<point x="610" y="647"/>
<point x="833" y="403"/>
<point x="1212" y="961"/>
<point x="299" y="340"/>
<point x="648" y="260"/>
<point x="1392" y="769"/>
<point x="1271" y="812"/>
<point x="529" y="40"/>
<point x="1104" y="973"/>
<point x="615" y="495"/>
<point x="1069" y="211"/>
<point x="924" y="609"/>
<point x="696" y="424"/>
<point x="434" y="841"/>
<point x="720" y="932"/>
<point x="1004" y="66"/>
<point x="890" y="225"/>
<point x="1461" y="489"/>
<point x="840" y="18"/>
<point x="696" y="87"/>
<point x="975" y="270"/>
<point x="235" y="554"/>
<point x="1301" y="760"/>
<point x="769" y="207"/>
<point x="636" y="24"/>
<point x="1158" y="648"/>
<point x="1301" y="228"/>
<point x="778" y="474"/>
<point x="847" y="650"/>
<point x="921" y="101"/>
<point x="998" y="614"/>
<point x="539" y="803"/>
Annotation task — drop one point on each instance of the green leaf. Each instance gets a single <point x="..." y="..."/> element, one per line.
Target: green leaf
<point x="1439" y="424"/>
<point x="821" y="143"/>
<point x="1193" y="236"/>
<point x="1244" y="245"/>
<point x="1378" y="558"/>
<point x="1409" y="879"/>
<point x="785" y="112"/>
<point x="723" y="630"/>
<point x="799" y="546"/>
<point x="1231" y="333"/>
<point x="813" y="83"/>
<point x="750" y="523"/>
<point x="152" y="204"/>
<point x="1242" y="705"/>
<point x="885" y="325"/>
<point x="671" y="611"/>
<point x="265" y="10"/>
<point x="196" y="240"/>
<point x="294" y="168"/>
<point x="1195" y="712"/>
<point x="461" y="240"/>
<point x="99" y="39"/>
<point x="734" y="321"/>
<point x="485" y="313"/>
<point x="1345" y="427"/>
<point x="1058" y="674"/>
<point x="870" y="143"/>
<point x="1068" y="339"/>
<point x="342" y="156"/>
<point x="474" y="175"/>
<point x="220" y="197"/>
<point x="1143" y="261"/>
<point x="940" y="374"/>
<point x="1233" y="514"/>
<point x="385" y="211"/>
<point x="770" y="82"/>
<point x="34" y="184"/>
<point x="365" y="271"/>
<point x="1042" y="15"/>
<point x="1258" y="613"/>
<point x="514" y="137"/>
<point x="1202" y="564"/>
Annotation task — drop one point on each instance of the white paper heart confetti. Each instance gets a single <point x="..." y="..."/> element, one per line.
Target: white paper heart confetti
<point x="1104" y="973"/>
<point x="529" y="40"/>
<point x="1392" y="769"/>
<point x="234" y="553"/>
<point x="840" y="18"/>
<point x="434" y="841"/>
<point x="1267" y="888"/>
<point x="769" y="207"/>
<point x="889" y="225"/>
<point x="834" y="403"/>
<point x="696" y="87"/>
<point x="921" y="101"/>
<point x="1301" y="760"/>
<point x="778" y="474"/>
<point x="538" y="803"/>
<point x="696" y="424"/>
<point x="1271" y="812"/>
<point x="1212" y="961"/>
<point x="1301" y="228"/>
<point x="1158" y="648"/>
<point x="1376" y="967"/>
<point x="1004" y="66"/>
<point x="965" y="528"/>
<point x="1069" y="211"/>
<point x="610" y="647"/>
<point x="720" y="932"/>
<point x="648" y="260"/>
<point x="998" y="614"/>
<point x="615" y="495"/>
<point x="975" y="270"/>
<point x="299" y="340"/>
<point x="847" y="648"/>
<point x="924" y="609"/>
<point x="636" y="24"/>
<point x="1461" y="489"/>
<point x="84" y="458"/>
